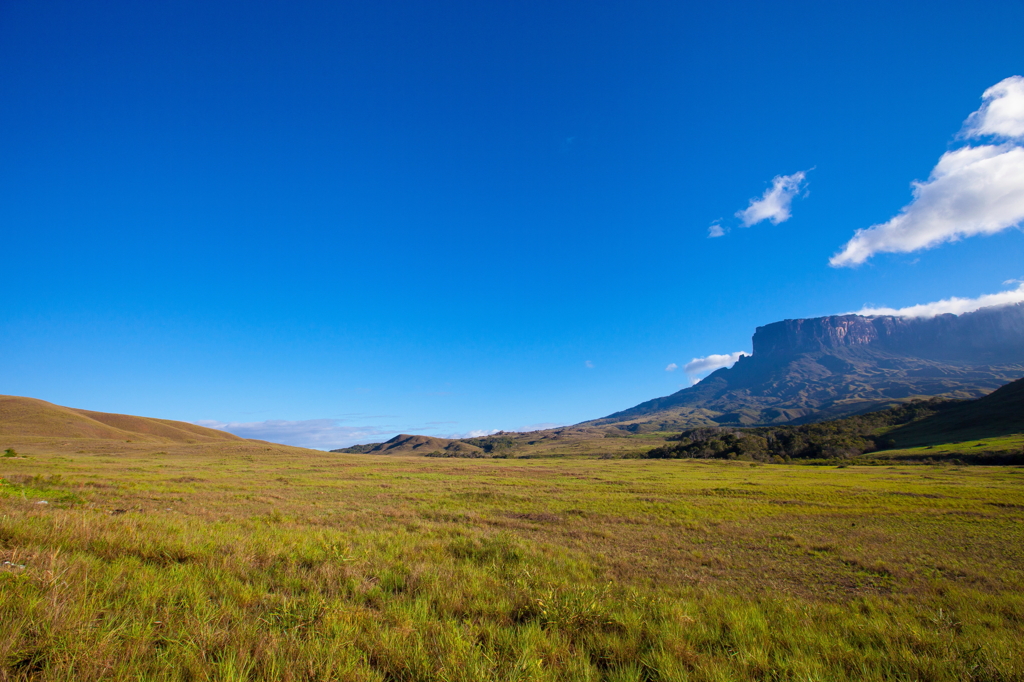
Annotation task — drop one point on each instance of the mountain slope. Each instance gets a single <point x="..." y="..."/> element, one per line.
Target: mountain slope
<point x="1000" y="413"/>
<point x="820" y="368"/>
<point x="988" y="430"/>
<point x="29" y="417"/>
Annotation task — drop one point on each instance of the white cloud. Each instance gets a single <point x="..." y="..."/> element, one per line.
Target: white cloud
<point x="716" y="230"/>
<point x="1002" y="113"/>
<point x="480" y="433"/>
<point x="322" y="434"/>
<point x="699" y="366"/>
<point x="955" y="305"/>
<point x="671" y="367"/>
<point x="774" y="204"/>
<point x="588" y="364"/>
<point x="973" y="190"/>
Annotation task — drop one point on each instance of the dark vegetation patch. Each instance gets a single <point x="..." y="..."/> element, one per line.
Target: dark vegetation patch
<point x="828" y="441"/>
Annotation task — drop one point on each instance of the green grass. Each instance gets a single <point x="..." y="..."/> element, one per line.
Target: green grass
<point x="245" y="562"/>
<point x="995" y="450"/>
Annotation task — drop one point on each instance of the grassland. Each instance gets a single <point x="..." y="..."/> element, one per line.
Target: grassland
<point x="995" y="450"/>
<point x="245" y="561"/>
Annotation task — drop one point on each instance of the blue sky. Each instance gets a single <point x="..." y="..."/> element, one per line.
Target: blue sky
<point x="326" y="223"/>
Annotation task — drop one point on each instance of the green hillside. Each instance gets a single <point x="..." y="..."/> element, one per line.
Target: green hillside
<point x="1001" y="413"/>
<point x="989" y="430"/>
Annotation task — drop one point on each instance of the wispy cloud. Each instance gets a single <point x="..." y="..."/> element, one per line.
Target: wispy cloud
<point x="671" y="367"/>
<point x="698" y="367"/>
<point x="322" y="434"/>
<point x="588" y="364"/>
<point x="774" y="205"/>
<point x="973" y="190"/>
<point x="716" y="230"/>
<point x="954" y="305"/>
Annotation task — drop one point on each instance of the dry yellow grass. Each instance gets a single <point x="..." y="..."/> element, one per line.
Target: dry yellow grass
<point x="32" y="418"/>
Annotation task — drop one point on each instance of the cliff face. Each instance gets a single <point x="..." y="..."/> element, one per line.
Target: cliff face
<point x="803" y="370"/>
<point x="991" y="334"/>
<point x="790" y="337"/>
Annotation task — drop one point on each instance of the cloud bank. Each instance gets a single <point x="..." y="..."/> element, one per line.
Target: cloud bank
<point x="774" y="205"/>
<point x="320" y="434"/>
<point x="972" y="190"/>
<point x="701" y="366"/>
<point x="954" y="305"/>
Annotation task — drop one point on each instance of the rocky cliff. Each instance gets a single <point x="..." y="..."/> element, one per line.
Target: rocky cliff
<point x="990" y="334"/>
<point x="825" y="367"/>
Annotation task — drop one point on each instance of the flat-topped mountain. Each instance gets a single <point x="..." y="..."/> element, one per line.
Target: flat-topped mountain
<point x="826" y="367"/>
<point x="987" y="335"/>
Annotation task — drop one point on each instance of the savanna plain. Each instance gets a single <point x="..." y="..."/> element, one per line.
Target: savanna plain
<point x="251" y="561"/>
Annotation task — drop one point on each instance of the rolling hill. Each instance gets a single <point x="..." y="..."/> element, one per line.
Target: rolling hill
<point x="1000" y="413"/>
<point x="404" y="444"/>
<point x="32" y="418"/>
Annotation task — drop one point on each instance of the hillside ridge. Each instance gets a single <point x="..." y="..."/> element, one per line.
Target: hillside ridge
<point x="406" y="444"/>
<point x="31" y="417"/>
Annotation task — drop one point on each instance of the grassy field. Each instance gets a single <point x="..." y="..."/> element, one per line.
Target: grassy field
<point x="980" y="450"/>
<point x="242" y="561"/>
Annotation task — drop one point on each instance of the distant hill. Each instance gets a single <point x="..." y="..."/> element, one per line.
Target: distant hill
<point x="827" y="367"/>
<point x="29" y="417"/>
<point x="405" y="444"/>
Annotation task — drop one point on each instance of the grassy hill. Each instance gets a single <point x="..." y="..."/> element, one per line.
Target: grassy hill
<point x="1001" y="413"/>
<point x="32" y="418"/>
<point x="404" y="444"/>
<point x="924" y="429"/>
